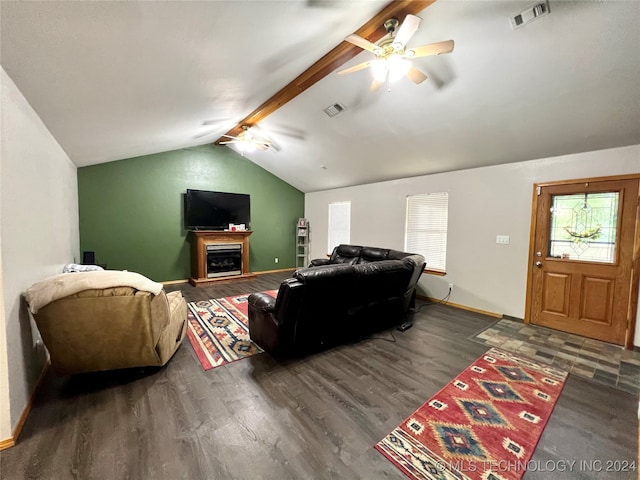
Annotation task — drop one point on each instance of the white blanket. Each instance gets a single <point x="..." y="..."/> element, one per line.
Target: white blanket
<point x="58" y="286"/>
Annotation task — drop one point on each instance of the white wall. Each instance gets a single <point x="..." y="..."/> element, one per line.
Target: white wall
<point x="483" y="202"/>
<point x="5" y="413"/>
<point x="39" y="228"/>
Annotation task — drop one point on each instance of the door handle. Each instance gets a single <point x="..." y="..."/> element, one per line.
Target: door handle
<point x="539" y="264"/>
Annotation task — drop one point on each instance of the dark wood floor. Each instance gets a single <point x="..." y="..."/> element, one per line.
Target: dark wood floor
<point x="312" y="418"/>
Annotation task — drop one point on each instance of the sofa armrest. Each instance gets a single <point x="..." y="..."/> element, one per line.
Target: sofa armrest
<point x="418" y="264"/>
<point x="173" y="333"/>
<point x="262" y="302"/>
<point x="263" y="326"/>
<point x="316" y="262"/>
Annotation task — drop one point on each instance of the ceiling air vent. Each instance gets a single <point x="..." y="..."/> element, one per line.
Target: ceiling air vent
<point x="335" y="109"/>
<point x="530" y="14"/>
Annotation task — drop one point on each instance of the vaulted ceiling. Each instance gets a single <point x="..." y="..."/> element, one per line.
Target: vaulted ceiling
<point x="114" y="80"/>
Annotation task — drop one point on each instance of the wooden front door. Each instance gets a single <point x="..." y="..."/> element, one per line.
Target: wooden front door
<point x="581" y="274"/>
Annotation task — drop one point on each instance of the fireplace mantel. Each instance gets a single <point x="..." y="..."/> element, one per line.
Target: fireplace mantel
<point x="201" y="238"/>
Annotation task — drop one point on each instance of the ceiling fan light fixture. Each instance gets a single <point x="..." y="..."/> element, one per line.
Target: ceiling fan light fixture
<point x="393" y="67"/>
<point x="246" y="141"/>
<point x="246" y="146"/>
<point x="379" y="69"/>
<point x="397" y="66"/>
<point x="393" y="58"/>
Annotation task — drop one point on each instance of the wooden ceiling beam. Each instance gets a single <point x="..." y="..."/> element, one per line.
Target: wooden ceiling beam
<point x="373" y="31"/>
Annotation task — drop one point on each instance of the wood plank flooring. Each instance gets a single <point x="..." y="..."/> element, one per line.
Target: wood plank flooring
<point x="311" y="418"/>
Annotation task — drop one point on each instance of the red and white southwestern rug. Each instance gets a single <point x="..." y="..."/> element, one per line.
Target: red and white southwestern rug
<point x="218" y="330"/>
<point x="483" y="425"/>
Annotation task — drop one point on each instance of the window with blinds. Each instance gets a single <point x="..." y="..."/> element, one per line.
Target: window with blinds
<point x="339" y="224"/>
<point x="426" y="228"/>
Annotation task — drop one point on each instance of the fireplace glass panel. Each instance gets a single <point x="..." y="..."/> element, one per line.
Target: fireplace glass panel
<point x="224" y="260"/>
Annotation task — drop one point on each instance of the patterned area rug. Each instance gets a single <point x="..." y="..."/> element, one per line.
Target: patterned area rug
<point x="218" y="330"/>
<point x="484" y="424"/>
<point x="598" y="361"/>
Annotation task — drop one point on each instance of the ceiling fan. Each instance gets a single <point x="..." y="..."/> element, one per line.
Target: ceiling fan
<point x="392" y="55"/>
<point x="247" y="141"/>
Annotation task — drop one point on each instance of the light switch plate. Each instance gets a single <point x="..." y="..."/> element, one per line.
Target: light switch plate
<point x="502" y="239"/>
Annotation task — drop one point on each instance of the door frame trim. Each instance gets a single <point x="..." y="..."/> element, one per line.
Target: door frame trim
<point x="635" y="274"/>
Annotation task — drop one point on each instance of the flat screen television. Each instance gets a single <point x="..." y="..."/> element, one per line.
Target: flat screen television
<point x="205" y="210"/>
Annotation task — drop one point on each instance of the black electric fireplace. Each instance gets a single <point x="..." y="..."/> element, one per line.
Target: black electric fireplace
<point x="224" y="260"/>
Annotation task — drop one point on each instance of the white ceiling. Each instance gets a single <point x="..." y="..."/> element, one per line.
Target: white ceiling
<point x="114" y="80"/>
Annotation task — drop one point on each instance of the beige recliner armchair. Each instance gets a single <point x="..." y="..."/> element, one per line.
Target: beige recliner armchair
<point x="91" y="321"/>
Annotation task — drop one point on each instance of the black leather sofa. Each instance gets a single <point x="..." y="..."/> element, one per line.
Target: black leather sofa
<point x="336" y="302"/>
<point x="356" y="254"/>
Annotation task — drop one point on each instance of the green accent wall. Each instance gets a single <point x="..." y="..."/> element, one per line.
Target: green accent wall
<point x="131" y="211"/>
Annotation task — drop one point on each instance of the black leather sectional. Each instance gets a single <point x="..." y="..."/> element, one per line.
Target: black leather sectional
<point x="357" y="291"/>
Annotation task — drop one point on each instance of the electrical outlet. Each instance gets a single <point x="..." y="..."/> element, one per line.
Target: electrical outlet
<point x="276" y="260"/>
<point x="450" y="287"/>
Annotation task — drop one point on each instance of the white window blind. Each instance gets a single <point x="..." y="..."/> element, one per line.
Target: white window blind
<point x="339" y="224"/>
<point x="426" y="228"/>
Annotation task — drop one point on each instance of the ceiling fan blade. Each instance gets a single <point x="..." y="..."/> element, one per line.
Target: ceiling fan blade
<point x="275" y="146"/>
<point x="361" y="42"/>
<point x="432" y="49"/>
<point x="407" y="29"/>
<point x="416" y="75"/>
<point x="229" y="136"/>
<point x="375" y="85"/>
<point x="355" y="68"/>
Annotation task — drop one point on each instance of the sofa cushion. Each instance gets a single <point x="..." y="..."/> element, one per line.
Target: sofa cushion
<point x="382" y="280"/>
<point x="327" y="288"/>
<point x="287" y="301"/>
<point x="373" y="254"/>
<point x="109" y="292"/>
<point x="316" y="262"/>
<point x="396" y="254"/>
<point x="287" y="306"/>
<point x="346" y="254"/>
<point x="327" y="294"/>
